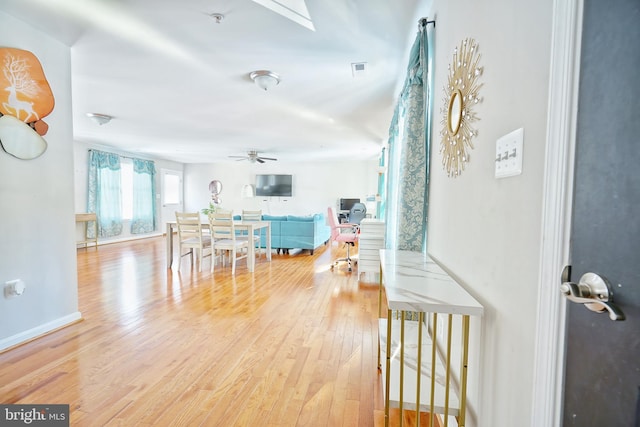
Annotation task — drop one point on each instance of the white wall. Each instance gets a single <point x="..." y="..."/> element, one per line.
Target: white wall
<point x="316" y="185"/>
<point x="37" y="218"/>
<point x="483" y="230"/>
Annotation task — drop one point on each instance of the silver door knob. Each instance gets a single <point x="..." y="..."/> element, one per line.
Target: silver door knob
<point x="594" y="292"/>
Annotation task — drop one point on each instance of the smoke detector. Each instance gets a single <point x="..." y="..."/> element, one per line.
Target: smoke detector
<point x="358" y="69"/>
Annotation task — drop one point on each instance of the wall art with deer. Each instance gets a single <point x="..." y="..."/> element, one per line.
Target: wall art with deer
<point x="25" y="99"/>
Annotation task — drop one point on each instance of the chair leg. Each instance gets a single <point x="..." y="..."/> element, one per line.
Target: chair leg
<point x="347" y="259"/>
<point x="218" y="255"/>
<point x="180" y="255"/>
<point x="233" y="262"/>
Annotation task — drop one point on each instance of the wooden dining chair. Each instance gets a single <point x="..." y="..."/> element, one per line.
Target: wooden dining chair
<point x="191" y="237"/>
<point x="223" y="215"/>
<point x="248" y="215"/>
<point x="225" y="239"/>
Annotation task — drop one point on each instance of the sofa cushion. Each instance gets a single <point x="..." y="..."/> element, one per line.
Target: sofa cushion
<point x="274" y="217"/>
<point x="308" y="218"/>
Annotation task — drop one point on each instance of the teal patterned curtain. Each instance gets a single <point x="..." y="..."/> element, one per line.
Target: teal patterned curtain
<point x="144" y="197"/>
<point x="105" y="196"/>
<point x="408" y="163"/>
<point x="381" y="203"/>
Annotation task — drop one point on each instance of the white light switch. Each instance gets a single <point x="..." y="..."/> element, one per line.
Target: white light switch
<point x="509" y="154"/>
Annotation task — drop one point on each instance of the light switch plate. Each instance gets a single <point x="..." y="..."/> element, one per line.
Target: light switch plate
<point x="509" y="151"/>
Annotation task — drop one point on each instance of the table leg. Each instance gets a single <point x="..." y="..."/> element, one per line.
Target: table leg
<point x="463" y="369"/>
<point x="169" y="245"/>
<point x="251" y="252"/>
<point x="387" y="386"/>
<point x="402" y="347"/>
<point x="251" y="256"/>
<point x="268" y="248"/>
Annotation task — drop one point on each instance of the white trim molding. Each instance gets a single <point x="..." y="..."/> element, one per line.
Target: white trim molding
<point x="39" y="330"/>
<point x="550" y="345"/>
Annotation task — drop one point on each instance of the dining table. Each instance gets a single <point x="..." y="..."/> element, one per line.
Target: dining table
<point x="249" y="226"/>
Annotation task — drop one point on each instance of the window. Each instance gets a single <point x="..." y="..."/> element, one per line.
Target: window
<point x="126" y="177"/>
<point x="171" y="187"/>
<point x="121" y="189"/>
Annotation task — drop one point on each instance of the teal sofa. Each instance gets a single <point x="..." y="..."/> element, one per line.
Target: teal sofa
<point x="297" y="232"/>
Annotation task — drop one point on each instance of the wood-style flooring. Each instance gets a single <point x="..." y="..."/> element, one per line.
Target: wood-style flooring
<point x="293" y="344"/>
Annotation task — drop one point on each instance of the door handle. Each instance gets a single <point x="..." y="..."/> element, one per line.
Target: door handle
<point x="594" y="291"/>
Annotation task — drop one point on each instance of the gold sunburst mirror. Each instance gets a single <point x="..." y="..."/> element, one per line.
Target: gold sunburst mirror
<point x="461" y="94"/>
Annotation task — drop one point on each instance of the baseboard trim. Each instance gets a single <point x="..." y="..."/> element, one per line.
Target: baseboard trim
<point x="109" y="240"/>
<point x="33" y="333"/>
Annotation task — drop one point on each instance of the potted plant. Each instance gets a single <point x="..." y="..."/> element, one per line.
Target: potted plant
<point x="210" y="209"/>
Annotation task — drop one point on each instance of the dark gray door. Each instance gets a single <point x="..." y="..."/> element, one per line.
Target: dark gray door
<point x="602" y="379"/>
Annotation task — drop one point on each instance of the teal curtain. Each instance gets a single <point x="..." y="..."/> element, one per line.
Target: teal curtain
<point x="105" y="196"/>
<point x="144" y="197"/>
<point x="381" y="202"/>
<point x="408" y="157"/>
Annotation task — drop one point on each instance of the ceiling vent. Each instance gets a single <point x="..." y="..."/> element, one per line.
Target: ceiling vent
<point x="359" y="69"/>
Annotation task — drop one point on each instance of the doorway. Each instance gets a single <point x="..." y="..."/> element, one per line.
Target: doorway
<point x="568" y="28"/>
<point x="172" y="199"/>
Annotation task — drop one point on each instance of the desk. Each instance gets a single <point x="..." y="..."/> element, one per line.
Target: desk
<point x="413" y="282"/>
<point x="86" y="218"/>
<point x="249" y="226"/>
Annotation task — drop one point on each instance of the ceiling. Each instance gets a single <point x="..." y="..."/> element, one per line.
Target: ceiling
<point x="177" y="82"/>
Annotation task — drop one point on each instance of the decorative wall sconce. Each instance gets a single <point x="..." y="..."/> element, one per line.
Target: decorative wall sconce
<point x="215" y="188"/>
<point x="248" y="191"/>
<point x="460" y="97"/>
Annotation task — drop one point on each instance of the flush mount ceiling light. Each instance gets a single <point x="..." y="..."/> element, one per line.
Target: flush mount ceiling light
<point x="99" y="119"/>
<point x="265" y="79"/>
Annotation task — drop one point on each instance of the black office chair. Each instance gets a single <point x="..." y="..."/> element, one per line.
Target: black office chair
<point x="357" y="213"/>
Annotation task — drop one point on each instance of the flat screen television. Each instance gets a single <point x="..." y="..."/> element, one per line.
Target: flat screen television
<point x="347" y="204"/>
<point x="274" y="185"/>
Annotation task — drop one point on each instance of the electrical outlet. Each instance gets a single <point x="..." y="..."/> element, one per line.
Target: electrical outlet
<point x="509" y="153"/>
<point x="13" y="288"/>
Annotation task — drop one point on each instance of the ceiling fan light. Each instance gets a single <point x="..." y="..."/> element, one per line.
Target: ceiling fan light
<point x="265" y="79"/>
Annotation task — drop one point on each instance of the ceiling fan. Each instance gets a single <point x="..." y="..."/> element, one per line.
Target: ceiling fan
<point x="253" y="157"/>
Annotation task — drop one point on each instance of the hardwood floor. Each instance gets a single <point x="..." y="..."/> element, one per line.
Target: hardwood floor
<point x="292" y="344"/>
